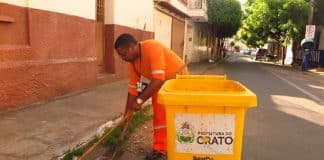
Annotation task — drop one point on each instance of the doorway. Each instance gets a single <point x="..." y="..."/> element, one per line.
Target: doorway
<point x="177" y="40"/>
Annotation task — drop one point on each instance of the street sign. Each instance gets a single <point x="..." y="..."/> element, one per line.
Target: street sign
<point x="310" y="32"/>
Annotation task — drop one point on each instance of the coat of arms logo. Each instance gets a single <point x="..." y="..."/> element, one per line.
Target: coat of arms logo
<point x="185" y="133"/>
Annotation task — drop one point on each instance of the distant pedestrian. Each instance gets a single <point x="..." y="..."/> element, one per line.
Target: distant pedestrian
<point x="156" y="62"/>
<point x="307" y="46"/>
<point x="305" y="62"/>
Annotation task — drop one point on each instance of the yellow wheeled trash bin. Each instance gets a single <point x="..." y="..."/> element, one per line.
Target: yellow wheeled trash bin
<point x="188" y="76"/>
<point x="205" y="118"/>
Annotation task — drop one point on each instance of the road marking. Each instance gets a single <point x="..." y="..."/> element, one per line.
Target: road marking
<point x="297" y="87"/>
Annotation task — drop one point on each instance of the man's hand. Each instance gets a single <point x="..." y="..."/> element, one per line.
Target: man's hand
<point x="131" y="105"/>
<point x="153" y="86"/>
<point x="135" y="107"/>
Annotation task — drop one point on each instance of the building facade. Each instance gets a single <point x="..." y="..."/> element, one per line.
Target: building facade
<point x="177" y="26"/>
<point x="54" y="47"/>
<point x="47" y="49"/>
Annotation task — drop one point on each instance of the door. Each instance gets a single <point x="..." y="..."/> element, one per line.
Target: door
<point x="177" y="40"/>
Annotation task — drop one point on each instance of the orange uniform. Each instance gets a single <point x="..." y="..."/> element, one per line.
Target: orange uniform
<point x="156" y="62"/>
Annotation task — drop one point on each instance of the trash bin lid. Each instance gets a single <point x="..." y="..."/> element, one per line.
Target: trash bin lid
<point x="206" y="92"/>
<point x="307" y="43"/>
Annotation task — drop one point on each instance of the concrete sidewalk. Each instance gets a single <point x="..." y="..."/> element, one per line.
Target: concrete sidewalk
<point x="45" y="131"/>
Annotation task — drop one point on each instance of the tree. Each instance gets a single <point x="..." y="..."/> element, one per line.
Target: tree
<point x="232" y="44"/>
<point x="281" y="20"/>
<point x="224" y="16"/>
<point x="224" y="19"/>
<point x="318" y="6"/>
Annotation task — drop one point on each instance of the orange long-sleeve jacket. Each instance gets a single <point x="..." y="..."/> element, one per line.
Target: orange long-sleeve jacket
<point x="156" y="62"/>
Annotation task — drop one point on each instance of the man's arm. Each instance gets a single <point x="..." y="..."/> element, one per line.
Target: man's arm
<point x="130" y="100"/>
<point x="132" y="93"/>
<point x="153" y="86"/>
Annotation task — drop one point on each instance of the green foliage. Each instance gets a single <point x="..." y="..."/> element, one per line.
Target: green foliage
<point x="282" y="20"/>
<point x="237" y="48"/>
<point x="138" y="119"/>
<point x="318" y="12"/>
<point x="224" y="17"/>
<point x="224" y="12"/>
<point x="232" y="44"/>
<point x="78" y="151"/>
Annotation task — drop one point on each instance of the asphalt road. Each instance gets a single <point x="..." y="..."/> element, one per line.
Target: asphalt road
<point x="288" y="122"/>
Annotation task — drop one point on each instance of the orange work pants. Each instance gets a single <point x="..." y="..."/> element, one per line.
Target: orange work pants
<point x="159" y="123"/>
<point x="159" y="126"/>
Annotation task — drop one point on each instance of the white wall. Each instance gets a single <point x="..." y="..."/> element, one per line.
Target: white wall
<point x="180" y="6"/>
<point x="162" y="28"/>
<point x="109" y="11"/>
<point x="188" y="41"/>
<point x="81" y="8"/>
<point x="194" y="52"/>
<point x="135" y="14"/>
<point x="21" y="3"/>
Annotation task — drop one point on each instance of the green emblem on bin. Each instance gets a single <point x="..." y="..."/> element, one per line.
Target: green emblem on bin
<point x="185" y="133"/>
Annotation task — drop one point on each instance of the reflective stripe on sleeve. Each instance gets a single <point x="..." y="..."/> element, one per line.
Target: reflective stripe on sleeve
<point x="158" y="72"/>
<point x="132" y="86"/>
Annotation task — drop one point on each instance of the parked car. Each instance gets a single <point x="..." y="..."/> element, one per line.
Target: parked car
<point x="260" y="53"/>
<point x="271" y="57"/>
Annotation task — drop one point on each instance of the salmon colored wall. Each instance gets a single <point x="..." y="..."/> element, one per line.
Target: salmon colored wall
<point x="44" y="54"/>
<point x="15" y="32"/>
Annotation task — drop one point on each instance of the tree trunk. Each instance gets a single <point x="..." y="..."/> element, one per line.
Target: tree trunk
<point x="280" y="55"/>
<point x="283" y="54"/>
<point x="208" y="44"/>
<point x="215" y="54"/>
<point x="213" y="48"/>
<point x="294" y="50"/>
<point x="222" y="48"/>
<point x="218" y="49"/>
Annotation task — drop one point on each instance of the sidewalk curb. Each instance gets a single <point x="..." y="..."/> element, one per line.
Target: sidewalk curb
<point x="99" y="133"/>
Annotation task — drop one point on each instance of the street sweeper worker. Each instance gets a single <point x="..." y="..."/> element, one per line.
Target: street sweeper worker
<point x="154" y="61"/>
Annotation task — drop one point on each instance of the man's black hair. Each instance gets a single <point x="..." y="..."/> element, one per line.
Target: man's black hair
<point x="124" y="40"/>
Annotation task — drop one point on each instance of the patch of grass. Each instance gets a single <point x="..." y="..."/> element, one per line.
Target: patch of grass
<point x="139" y="118"/>
<point x="78" y="151"/>
<point x="69" y="154"/>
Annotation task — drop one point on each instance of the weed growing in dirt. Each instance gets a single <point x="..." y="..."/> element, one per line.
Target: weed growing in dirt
<point x="139" y="118"/>
<point x="78" y="151"/>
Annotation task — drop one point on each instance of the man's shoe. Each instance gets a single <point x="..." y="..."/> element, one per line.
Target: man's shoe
<point x="155" y="155"/>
